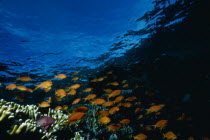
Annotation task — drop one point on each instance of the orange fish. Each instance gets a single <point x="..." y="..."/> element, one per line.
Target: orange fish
<point x="103" y="113"/>
<point x="124" y="86"/>
<point x="29" y="90"/>
<point x="65" y="107"/>
<point x="90" y="97"/>
<point x="22" y="88"/>
<point x="140" y="137"/>
<point x="20" y="99"/>
<point x="47" y="89"/>
<point x="81" y="109"/>
<point x="137" y="103"/>
<point x="58" y="108"/>
<point x="44" y="85"/>
<point x="127" y="104"/>
<point x="100" y="79"/>
<point x="114" y="127"/>
<point x="113" y="110"/>
<point x="44" y="104"/>
<point x="125" y="121"/>
<point x="24" y="79"/>
<point x="148" y="128"/>
<point x="114" y="93"/>
<point x="87" y="89"/>
<point x="60" y="76"/>
<point x="109" y="103"/>
<point x="0" y="84"/>
<point x="76" y="101"/>
<point x="118" y="99"/>
<point x="160" y="124"/>
<point x="113" y="84"/>
<point x="75" y="86"/>
<point x="140" y="117"/>
<point x="170" y="135"/>
<point x="124" y="81"/>
<point x="72" y="92"/>
<point x="61" y="93"/>
<point x="154" y="108"/>
<point x="94" y="80"/>
<point x="131" y="98"/>
<point x="98" y="101"/>
<point x="49" y="100"/>
<point x="11" y="87"/>
<point x="108" y="90"/>
<point x="75" y="73"/>
<point x="104" y="120"/>
<point x="137" y="110"/>
<point x="75" y="78"/>
<point x="109" y="72"/>
<point x="181" y="117"/>
<point x="76" y="116"/>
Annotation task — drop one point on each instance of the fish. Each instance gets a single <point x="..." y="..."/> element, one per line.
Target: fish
<point x="98" y="101"/>
<point x="44" y="104"/>
<point x="72" y="92"/>
<point x="11" y="87"/>
<point x="118" y="99"/>
<point x="140" y="117"/>
<point x="60" y="76"/>
<point x="109" y="72"/>
<point x="60" y="93"/>
<point x="124" y="81"/>
<point x="29" y="90"/>
<point x="160" y="124"/>
<point x="75" y="73"/>
<point x="140" y="136"/>
<point x="19" y="98"/>
<point x="114" y="127"/>
<point x="109" y="103"/>
<point x="113" y="84"/>
<point x="124" y="86"/>
<point x="125" y="121"/>
<point x="131" y="98"/>
<point x="103" y="113"/>
<point x="75" y="78"/>
<point x="87" y="89"/>
<point x="170" y="135"/>
<point x="22" y="88"/>
<point x="24" y="79"/>
<point x="47" y="89"/>
<point x="113" y="110"/>
<point x="107" y="91"/>
<point x="114" y="93"/>
<point x="76" y="116"/>
<point x="65" y="107"/>
<point x="76" y="101"/>
<point x="81" y="109"/>
<point x="45" y="122"/>
<point x="154" y="108"/>
<point x="104" y="120"/>
<point x="58" y="108"/>
<point x="137" y="110"/>
<point x="127" y="104"/>
<point x="44" y="85"/>
<point x="75" y="86"/>
<point x="90" y="97"/>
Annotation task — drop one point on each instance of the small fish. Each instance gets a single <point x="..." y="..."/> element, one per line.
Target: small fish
<point x="160" y="124"/>
<point x="127" y="104"/>
<point x="114" y="93"/>
<point x="114" y="127"/>
<point x="44" y="85"/>
<point x="24" y="79"/>
<point x="124" y="86"/>
<point x="47" y="89"/>
<point x="75" y="73"/>
<point x="76" y="116"/>
<point x="154" y="108"/>
<point x="72" y="92"/>
<point x="140" y="117"/>
<point x="109" y="103"/>
<point x="125" y="121"/>
<point x="81" y="109"/>
<point x="137" y="110"/>
<point x="65" y="107"/>
<point x="109" y="72"/>
<point x="107" y="91"/>
<point x="60" y="93"/>
<point x="100" y="79"/>
<point x="19" y="98"/>
<point x="118" y="99"/>
<point x="113" y="110"/>
<point x="22" y="88"/>
<point x="44" y="104"/>
<point x="58" y="108"/>
<point x="113" y="84"/>
<point x="181" y="117"/>
<point x="90" y="97"/>
<point x="170" y="135"/>
<point x="75" y="78"/>
<point x="45" y="122"/>
<point x="103" y="113"/>
<point x="131" y="98"/>
<point x="98" y="101"/>
<point x="76" y="101"/>
<point x="75" y="86"/>
<point x="124" y="81"/>
<point x="11" y="87"/>
<point x="60" y="76"/>
<point x="87" y="89"/>
<point x="104" y="120"/>
<point x="140" y="137"/>
<point x="29" y="90"/>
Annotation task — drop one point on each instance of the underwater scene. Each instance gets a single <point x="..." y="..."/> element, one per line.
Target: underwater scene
<point x="105" y="69"/>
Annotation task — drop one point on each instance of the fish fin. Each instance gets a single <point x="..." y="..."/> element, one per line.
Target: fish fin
<point x="36" y="87"/>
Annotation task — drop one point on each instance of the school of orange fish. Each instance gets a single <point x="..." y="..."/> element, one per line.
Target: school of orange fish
<point x="113" y="100"/>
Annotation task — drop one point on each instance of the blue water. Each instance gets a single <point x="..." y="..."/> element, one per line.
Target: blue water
<point x="51" y="36"/>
